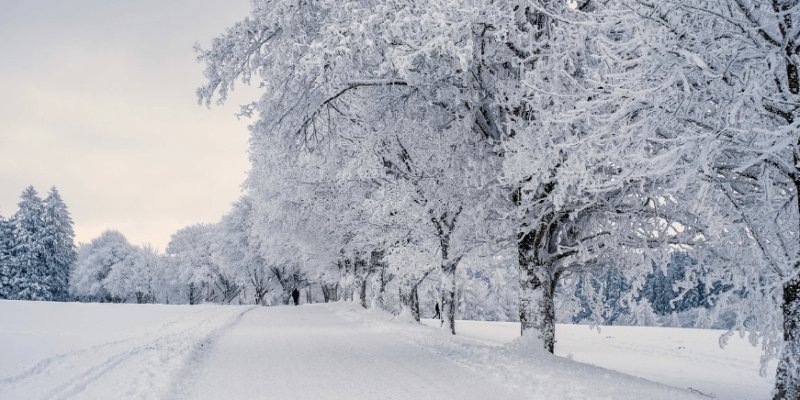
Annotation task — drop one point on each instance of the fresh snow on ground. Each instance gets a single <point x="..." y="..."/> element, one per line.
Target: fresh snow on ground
<point x="309" y="352"/>
<point x="684" y="358"/>
<point x="340" y="351"/>
<point x="101" y="351"/>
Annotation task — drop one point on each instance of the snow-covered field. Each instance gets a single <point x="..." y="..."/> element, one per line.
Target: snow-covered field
<point x="684" y="358"/>
<point x="119" y="351"/>
<point x="101" y="351"/>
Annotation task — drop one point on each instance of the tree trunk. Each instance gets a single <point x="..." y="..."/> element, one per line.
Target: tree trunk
<point x="259" y="293"/>
<point x="445" y="225"/>
<point x="346" y="280"/>
<point x="404" y="298"/>
<point x="414" y="298"/>
<point x="211" y="295"/>
<point x="333" y="292"/>
<point x="449" y="294"/>
<point x="410" y="299"/>
<point x="142" y="298"/>
<point x="192" y="294"/>
<point x="286" y="296"/>
<point x="536" y="288"/>
<point x="787" y="380"/>
<point x="382" y="292"/>
<point x="325" y="294"/>
<point x="361" y="272"/>
<point x="362" y="294"/>
<point x="376" y="265"/>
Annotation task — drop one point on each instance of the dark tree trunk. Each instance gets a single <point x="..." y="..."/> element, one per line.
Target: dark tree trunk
<point x="227" y="288"/>
<point x="286" y="296"/>
<point x="211" y="295"/>
<point x="362" y="293"/>
<point x="409" y="298"/>
<point x="787" y="380"/>
<point x="260" y="286"/>
<point x="324" y="292"/>
<point x="445" y="225"/>
<point x="192" y="294"/>
<point x="414" y="303"/>
<point x="536" y="307"/>
<point x="384" y="280"/>
<point x="791" y="74"/>
<point x="259" y="295"/>
<point x="382" y="293"/>
<point x="787" y="377"/>
<point x="449" y="294"/>
<point x="329" y="292"/>
<point x="537" y="286"/>
<point x="143" y="298"/>
<point x="361" y="271"/>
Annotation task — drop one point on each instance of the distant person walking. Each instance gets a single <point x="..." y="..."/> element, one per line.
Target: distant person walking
<point x="296" y="297"/>
<point x="437" y="315"/>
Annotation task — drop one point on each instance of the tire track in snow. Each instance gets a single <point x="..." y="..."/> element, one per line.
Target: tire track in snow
<point x="140" y="367"/>
<point x="69" y="359"/>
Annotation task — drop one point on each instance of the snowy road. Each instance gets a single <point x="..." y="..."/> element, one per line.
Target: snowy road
<point x="310" y="353"/>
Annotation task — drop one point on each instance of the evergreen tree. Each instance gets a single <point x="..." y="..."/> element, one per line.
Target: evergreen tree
<point x="607" y="291"/>
<point x="59" y="244"/>
<point x="642" y="315"/>
<point x="6" y="259"/>
<point x="29" y="280"/>
<point x="662" y="289"/>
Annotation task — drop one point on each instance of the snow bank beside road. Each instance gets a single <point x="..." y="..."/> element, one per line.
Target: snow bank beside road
<point x="684" y="358"/>
<point x="519" y="366"/>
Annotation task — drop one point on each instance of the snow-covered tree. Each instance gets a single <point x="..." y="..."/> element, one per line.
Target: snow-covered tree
<point x="95" y="261"/>
<point x="192" y="249"/>
<point x="59" y="244"/>
<point x="36" y="249"/>
<point x="296" y="218"/>
<point x="134" y="278"/>
<point x="29" y="275"/>
<point x="357" y="101"/>
<point x="730" y="73"/>
<point x="167" y="285"/>
<point x="237" y="250"/>
<point x="6" y="256"/>
<point x="606" y="117"/>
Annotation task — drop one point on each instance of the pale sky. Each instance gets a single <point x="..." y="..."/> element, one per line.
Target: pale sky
<point x="97" y="98"/>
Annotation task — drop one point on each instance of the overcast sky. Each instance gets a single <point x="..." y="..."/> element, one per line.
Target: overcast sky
<point x="98" y="99"/>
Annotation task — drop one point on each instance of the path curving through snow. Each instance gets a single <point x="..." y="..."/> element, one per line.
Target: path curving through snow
<point x="309" y="352"/>
<point x="341" y="351"/>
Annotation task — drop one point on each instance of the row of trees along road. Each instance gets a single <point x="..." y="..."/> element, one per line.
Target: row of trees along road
<point x="37" y="249"/>
<point x="585" y="136"/>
